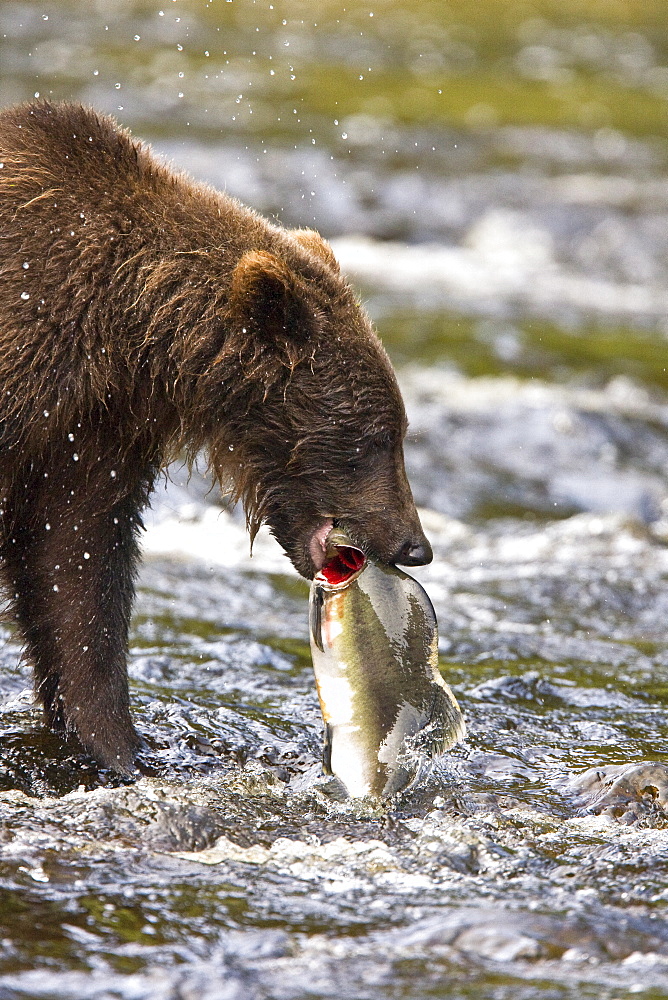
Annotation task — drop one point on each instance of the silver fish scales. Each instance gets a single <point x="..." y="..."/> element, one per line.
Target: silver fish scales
<point x="374" y="645"/>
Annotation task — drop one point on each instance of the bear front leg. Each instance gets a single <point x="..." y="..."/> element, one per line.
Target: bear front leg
<point x="70" y="555"/>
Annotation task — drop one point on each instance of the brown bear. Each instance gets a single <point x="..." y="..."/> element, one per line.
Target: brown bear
<point x="143" y="315"/>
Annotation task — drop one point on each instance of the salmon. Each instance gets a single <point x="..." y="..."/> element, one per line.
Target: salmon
<point x="374" y="644"/>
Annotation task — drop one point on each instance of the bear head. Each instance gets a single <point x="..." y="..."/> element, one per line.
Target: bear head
<point x="311" y="424"/>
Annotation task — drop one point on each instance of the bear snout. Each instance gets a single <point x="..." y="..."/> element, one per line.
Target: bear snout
<point x="397" y="540"/>
<point x="414" y="552"/>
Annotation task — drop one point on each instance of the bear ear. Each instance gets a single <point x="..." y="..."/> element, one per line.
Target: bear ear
<point x="267" y="299"/>
<point x="312" y="241"/>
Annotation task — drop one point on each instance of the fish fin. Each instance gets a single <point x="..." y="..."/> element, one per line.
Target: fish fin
<point x="327" y="750"/>
<point x="315" y="618"/>
<point x="446" y="724"/>
<point x="334" y="789"/>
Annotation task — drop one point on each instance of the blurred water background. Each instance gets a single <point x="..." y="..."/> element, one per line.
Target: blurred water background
<point x="492" y="174"/>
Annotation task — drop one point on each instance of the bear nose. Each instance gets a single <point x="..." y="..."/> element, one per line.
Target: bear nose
<point x="415" y="552"/>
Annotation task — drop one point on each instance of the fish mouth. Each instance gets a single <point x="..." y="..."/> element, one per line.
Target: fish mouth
<point x="342" y="562"/>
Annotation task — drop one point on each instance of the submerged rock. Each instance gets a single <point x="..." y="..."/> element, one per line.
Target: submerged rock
<point x="626" y="793"/>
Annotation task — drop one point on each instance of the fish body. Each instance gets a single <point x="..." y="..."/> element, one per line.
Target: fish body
<point x="374" y="645"/>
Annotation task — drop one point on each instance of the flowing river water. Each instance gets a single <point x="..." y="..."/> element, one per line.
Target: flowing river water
<point x="493" y="178"/>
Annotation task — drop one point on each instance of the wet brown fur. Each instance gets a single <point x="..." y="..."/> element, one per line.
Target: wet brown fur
<point x="143" y="315"/>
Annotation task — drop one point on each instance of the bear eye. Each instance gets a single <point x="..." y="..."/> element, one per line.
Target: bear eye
<point x="382" y="442"/>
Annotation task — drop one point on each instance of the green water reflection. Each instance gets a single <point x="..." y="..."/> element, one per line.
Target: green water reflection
<point x="528" y="349"/>
<point x="246" y="66"/>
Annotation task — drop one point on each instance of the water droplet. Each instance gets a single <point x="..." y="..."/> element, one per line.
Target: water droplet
<point x="25" y="265"/>
<point x="38" y="874"/>
<point x="75" y="457"/>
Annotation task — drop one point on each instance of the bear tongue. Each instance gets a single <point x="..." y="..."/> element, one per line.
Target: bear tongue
<point x="318" y="544"/>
